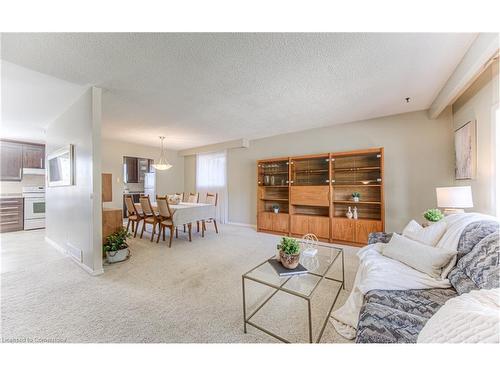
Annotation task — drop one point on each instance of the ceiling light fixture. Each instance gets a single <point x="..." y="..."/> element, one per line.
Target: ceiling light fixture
<point x="162" y="164"/>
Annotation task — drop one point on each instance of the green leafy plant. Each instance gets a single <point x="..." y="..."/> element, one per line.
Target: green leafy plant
<point x="289" y="246"/>
<point x="356" y="195"/>
<point x="116" y="241"/>
<point x="276" y="206"/>
<point x="433" y="215"/>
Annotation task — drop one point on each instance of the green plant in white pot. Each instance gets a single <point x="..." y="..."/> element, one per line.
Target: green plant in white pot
<point x="433" y="215"/>
<point x="289" y="252"/>
<point x="356" y="196"/>
<point x="276" y="208"/>
<point x="116" y="248"/>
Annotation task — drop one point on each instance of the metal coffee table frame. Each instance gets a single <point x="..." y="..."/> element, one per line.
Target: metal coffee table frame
<point x="307" y="297"/>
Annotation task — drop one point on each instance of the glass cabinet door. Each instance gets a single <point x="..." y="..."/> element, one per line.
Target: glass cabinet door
<point x="273" y="173"/>
<point x="357" y="170"/>
<point x="310" y="171"/>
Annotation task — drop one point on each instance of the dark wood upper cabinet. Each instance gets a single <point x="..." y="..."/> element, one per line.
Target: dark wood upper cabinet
<point x="33" y="156"/>
<point x="131" y="169"/>
<point x="11" y="155"/>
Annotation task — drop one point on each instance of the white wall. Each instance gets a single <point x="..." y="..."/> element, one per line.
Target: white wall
<point x="418" y="158"/>
<point x="477" y="103"/>
<point x="169" y="181"/>
<point x="16" y="187"/>
<point x="73" y="213"/>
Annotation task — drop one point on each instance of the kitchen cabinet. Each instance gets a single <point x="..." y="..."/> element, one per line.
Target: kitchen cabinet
<point x="143" y="165"/>
<point x="33" y="156"/>
<point x="11" y="214"/>
<point x="131" y="170"/>
<point x="11" y="155"/>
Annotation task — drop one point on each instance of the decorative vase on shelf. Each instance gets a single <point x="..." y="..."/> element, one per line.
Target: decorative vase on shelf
<point x="355" y="213"/>
<point x="349" y="213"/>
<point x="276" y="210"/>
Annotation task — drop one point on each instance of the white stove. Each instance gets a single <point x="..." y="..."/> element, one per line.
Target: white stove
<point x="34" y="207"/>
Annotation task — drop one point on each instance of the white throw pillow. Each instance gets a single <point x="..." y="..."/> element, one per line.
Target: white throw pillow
<point x="427" y="259"/>
<point x="429" y="235"/>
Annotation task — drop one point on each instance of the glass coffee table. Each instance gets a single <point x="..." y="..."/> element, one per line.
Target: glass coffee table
<point x="302" y="286"/>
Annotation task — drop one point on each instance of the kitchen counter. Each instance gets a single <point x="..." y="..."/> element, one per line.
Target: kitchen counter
<point x="11" y="195"/>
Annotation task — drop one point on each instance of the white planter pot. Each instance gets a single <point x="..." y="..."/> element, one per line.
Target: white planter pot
<point x="117" y="256"/>
<point x="355" y="199"/>
<point x="276" y="210"/>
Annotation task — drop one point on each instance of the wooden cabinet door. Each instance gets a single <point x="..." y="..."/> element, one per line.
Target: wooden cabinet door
<point x="34" y="156"/>
<point x="280" y="222"/>
<point x="343" y="229"/>
<point x="131" y="170"/>
<point x="11" y="156"/>
<point x="364" y="228"/>
<point x="310" y="195"/>
<point x="107" y="187"/>
<point x="299" y="224"/>
<point x="265" y="220"/>
<point x="320" y="226"/>
<point x="143" y="167"/>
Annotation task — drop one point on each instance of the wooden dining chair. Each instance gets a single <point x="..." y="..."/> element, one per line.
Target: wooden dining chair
<point x="210" y="199"/>
<point x="133" y="214"/>
<point x="193" y="197"/>
<point x="166" y="219"/>
<point x="150" y="217"/>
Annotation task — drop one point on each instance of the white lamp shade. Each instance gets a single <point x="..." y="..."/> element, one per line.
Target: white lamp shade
<point x="454" y="197"/>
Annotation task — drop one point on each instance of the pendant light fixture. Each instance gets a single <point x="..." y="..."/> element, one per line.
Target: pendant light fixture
<point x="162" y="164"/>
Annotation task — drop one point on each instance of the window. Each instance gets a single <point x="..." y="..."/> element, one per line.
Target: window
<point x="211" y="178"/>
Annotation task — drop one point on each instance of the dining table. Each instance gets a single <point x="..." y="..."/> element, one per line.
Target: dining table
<point x="185" y="212"/>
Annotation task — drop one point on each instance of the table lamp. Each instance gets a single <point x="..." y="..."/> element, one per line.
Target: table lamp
<point x="454" y="199"/>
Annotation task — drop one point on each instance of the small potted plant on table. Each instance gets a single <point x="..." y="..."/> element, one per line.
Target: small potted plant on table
<point x="356" y="196"/>
<point x="433" y="215"/>
<point x="289" y="252"/>
<point x="115" y="247"/>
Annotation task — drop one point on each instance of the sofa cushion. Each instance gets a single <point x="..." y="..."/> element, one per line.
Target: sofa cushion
<point x="424" y="258"/>
<point x="397" y="316"/>
<point x="474" y="233"/>
<point x="430" y="235"/>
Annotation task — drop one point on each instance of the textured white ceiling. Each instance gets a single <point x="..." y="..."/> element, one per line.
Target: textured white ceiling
<point x="205" y="88"/>
<point x="30" y="100"/>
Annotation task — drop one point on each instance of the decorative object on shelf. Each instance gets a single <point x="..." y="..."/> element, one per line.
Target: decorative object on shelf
<point x="266" y="180"/>
<point x="289" y="252"/>
<point x="276" y="208"/>
<point x="349" y="213"/>
<point x="116" y="248"/>
<point x="433" y="215"/>
<point x="454" y="199"/>
<point x="356" y="196"/>
<point x="272" y="180"/>
<point x="162" y="164"/>
<point x="355" y="213"/>
<point x="61" y="167"/>
<point x="465" y="151"/>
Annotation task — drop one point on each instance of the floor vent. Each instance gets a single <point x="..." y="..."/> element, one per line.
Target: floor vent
<point x="74" y="252"/>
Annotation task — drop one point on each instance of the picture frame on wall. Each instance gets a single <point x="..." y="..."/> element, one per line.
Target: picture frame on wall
<point x="466" y="151"/>
<point x="61" y="167"/>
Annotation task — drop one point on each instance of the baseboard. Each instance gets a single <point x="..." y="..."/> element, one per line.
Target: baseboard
<point x="59" y="248"/>
<point x="242" y="224"/>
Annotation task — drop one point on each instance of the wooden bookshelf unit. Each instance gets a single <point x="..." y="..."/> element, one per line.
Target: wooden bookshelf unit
<point x="313" y="193"/>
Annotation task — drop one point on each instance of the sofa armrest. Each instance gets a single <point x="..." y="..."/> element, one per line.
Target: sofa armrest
<point x="375" y="237"/>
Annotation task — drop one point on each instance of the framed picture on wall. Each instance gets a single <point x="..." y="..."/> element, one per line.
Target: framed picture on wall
<point x="466" y="151"/>
<point x="61" y="167"/>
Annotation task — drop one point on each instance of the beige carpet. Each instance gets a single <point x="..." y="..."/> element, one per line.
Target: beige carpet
<point x="189" y="293"/>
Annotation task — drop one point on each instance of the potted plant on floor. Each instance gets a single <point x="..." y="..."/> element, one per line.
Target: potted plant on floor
<point x="115" y="247"/>
<point x="276" y="208"/>
<point x="289" y="252"/>
<point x="356" y="196"/>
<point x="433" y="215"/>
